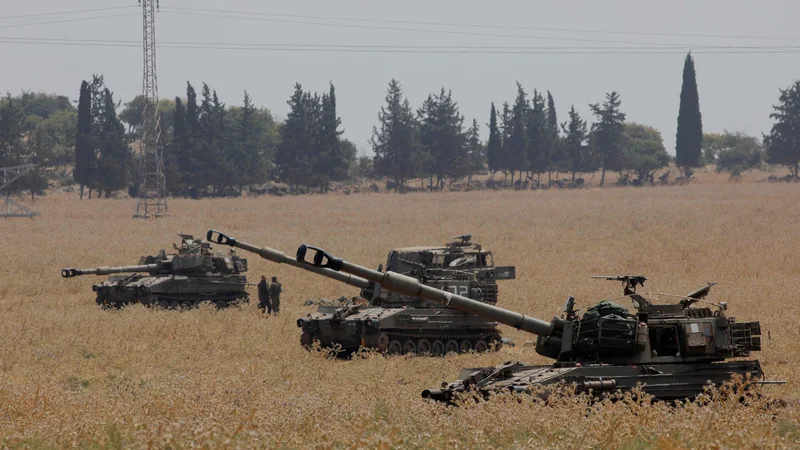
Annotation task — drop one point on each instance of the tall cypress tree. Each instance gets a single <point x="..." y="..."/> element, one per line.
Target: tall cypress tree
<point x="556" y="150"/>
<point x="537" y="135"/>
<point x="783" y="141"/>
<point x="334" y="158"/>
<point x="494" y="147"/>
<point x="313" y="152"/>
<point x="193" y="144"/>
<point x="222" y="172"/>
<point x="689" y="140"/>
<point x="506" y="126"/>
<point x="442" y="135"/>
<point x="577" y="158"/>
<point x="397" y="151"/>
<point x="517" y="149"/>
<point x="179" y="137"/>
<point x="247" y="153"/>
<point x="214" y="168"/>
<point x="476" y="152"/>
<point x="607" y="134"/>
<point x="292" y="159"/>
<point x="113" y="151"/>
<point x="84" y="152"/>
<point x="206" y="136"/>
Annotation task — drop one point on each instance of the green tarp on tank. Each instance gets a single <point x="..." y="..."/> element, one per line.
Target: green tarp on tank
<point x="605" y="308"/>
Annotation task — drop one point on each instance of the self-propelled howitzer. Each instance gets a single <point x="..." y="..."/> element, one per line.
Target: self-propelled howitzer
<point x="673" y="351"/>
<point x="192" y="275"/>
<point x="392" y="323"/>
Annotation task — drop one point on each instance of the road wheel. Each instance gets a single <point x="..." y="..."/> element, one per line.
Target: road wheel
<point x="437" y="348"/>
<point x="424" y="347"/>
<point x="409" y="347"/>
<point x="481" y="346"/>
<point x="465" y="347"/>
<point x="395" y="347"/>
<point x="383" y="342"/>
<point x="163" y="304"/>
<point x="220" y="304"/>
<point x="174" y="304"/>
<point x="451" y="346"/>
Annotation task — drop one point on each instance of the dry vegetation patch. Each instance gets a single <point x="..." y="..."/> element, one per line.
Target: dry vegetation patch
<point x="72" y="374"/>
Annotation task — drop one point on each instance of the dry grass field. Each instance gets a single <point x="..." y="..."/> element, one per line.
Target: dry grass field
<point x="72" y="374"/>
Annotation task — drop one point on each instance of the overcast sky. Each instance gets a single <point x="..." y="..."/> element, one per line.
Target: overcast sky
<point x="736" y="90"/>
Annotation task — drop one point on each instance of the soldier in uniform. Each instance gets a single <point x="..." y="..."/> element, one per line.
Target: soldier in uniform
<point x="264" y="303"/>
<point x="275" y="295"/>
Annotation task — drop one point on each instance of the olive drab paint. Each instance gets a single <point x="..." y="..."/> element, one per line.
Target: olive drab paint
<point x="195" y="274"/>
<point x="674" y="351"/>
<point x="386" y="321"/>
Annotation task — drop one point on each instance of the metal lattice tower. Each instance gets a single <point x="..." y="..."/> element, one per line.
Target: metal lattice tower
<point x="152" y="195"/>
<point x="8" y="207"/>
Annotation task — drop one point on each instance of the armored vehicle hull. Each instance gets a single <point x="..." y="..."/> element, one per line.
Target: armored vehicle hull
<point x="419" y="331"/>
<point x="171" y="291"/>
<point x="662" y="381"/>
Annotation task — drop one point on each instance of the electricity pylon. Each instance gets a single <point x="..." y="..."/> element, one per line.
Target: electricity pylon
<point x="152" y="192"/>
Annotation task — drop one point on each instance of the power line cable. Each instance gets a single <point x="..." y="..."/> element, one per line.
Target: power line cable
<point x="398" y="50"/>
<point x="58" y="13"/>
<point x="389" y="47"/>
<point x="416" y="30"/>
<point x="75" y="19"/>
<point x="484" y="26"/>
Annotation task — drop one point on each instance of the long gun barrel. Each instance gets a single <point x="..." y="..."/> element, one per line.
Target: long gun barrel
<point x="279" y="257"/>
<point x="71" y="273"/>
<point x="405" y="285"/>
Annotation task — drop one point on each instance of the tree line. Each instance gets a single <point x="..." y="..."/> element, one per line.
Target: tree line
<point x="212" y="149"/>
<point x="527" y="139"/>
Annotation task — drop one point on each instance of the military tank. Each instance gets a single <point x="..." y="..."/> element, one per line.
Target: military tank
<point x="400" y="324"/>
<point x="459" y="255"/>
<point x="673" y="351"/>
<point x="192" y="275"/>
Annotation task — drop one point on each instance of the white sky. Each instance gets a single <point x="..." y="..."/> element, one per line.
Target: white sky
<point x="736" y="90"/>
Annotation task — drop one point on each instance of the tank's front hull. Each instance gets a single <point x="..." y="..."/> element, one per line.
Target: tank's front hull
<point x="662" y="381"/>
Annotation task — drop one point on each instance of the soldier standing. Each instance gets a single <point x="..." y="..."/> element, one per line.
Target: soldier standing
<point x="275" y="295"/>
<point x="263" y="296"/>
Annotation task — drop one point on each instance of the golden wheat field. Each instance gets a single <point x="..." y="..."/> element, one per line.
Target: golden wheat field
<point x="72" y="374"/>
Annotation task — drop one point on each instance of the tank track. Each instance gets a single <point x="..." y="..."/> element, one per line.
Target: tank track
<point x="397" y="343"/>
<point x="434" y="344"/>
<point x="179" y="302"/>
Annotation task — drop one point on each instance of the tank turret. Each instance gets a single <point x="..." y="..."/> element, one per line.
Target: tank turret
<point x="674" y="350"/>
